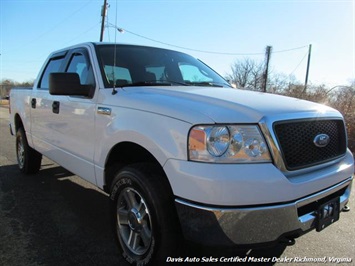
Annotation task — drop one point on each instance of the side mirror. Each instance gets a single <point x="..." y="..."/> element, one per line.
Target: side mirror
<point x="67" y="84"/>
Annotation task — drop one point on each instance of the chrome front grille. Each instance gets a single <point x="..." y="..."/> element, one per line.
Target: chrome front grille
<point x="296" y="142"/>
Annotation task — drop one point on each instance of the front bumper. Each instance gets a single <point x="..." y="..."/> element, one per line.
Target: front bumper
<point x="230" y="185"/>
<point x="256" y="225"/>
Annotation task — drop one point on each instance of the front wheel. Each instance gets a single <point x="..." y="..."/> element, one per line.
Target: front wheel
<point x="29" y="160"/>
<point x="146" y="224"/>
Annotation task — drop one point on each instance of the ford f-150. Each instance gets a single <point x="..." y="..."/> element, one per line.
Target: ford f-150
<point x="181" y="152"/>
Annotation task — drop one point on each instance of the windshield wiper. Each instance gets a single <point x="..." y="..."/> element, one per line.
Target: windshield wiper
<point x="208" y="83"/>
<point x="146" y="83"/>
<point x="153" y="83"/>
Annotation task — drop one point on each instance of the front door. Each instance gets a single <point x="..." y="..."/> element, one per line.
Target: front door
<point x="67" y="123"/>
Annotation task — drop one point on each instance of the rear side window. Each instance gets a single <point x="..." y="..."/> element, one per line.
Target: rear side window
<point x="52" y="66"/>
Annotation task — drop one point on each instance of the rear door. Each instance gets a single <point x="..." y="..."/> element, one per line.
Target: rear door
<point x="43" y="133"/>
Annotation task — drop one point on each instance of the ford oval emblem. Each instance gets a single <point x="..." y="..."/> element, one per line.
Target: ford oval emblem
<point x="321" y="140"/>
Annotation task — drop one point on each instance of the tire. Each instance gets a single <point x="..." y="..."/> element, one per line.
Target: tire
<point x="145" y="220"/>
<point x="29" y="160"/>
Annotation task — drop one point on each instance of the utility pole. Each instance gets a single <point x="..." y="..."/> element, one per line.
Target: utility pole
<point x="307" y="71"/>
<point x="266" y="71"/>
<point x="103" y="15"/>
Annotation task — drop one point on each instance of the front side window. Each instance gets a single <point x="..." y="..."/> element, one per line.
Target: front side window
<point x="78" y="64"/>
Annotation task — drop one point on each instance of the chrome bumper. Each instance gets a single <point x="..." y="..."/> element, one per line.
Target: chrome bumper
<point x="256" y="225"/>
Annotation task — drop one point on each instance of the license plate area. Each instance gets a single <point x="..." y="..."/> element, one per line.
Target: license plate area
<point x="327" y="214"/>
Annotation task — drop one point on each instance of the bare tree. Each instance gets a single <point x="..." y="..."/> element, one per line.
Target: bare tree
<point x="279" y="82"/>
<point x="246" y="74"/>
<point x="343" y="99"/>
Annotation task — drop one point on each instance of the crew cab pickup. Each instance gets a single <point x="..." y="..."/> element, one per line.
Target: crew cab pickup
<point x="181" y="152"/>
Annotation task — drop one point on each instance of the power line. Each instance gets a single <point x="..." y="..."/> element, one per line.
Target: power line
<point x="289" y="50"/>
<point x="299" y="63"/>
<point x="198" y="50"/>
<point x="82" y="33"/>
<point x="53" y="27"/>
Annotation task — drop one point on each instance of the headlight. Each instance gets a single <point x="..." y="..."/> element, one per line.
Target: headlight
<point x="228" y="144"/>
<point x="218" y="141"/>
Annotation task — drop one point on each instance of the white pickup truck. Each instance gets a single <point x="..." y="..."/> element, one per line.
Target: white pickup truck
<point x="181" y="152"/>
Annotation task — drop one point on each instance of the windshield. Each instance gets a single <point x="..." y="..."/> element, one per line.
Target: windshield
<point x="148" y="66"/>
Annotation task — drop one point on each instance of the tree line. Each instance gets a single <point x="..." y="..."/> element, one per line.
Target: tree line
<point x="7" y="84"/>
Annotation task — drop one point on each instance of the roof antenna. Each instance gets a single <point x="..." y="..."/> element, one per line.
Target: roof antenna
<point x="114" y="91"/>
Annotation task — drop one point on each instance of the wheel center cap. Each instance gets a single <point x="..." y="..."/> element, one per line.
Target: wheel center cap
<point x="135" y="220"/>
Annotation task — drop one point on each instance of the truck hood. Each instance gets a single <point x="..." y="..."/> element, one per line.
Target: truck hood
<point x="219" y="105"/>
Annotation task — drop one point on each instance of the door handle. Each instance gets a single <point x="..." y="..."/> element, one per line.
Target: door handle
<point x="33" y="103"/>
<point x="55" y="107"/>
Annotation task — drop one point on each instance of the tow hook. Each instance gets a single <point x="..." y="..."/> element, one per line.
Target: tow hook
<point x="288" y="241"/>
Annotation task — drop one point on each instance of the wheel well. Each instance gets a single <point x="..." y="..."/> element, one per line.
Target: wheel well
<point x="18" y="123"/>
<point x="124" y="154"/>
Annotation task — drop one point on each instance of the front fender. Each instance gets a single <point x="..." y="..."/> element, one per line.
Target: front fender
<point x="164" y="137"/>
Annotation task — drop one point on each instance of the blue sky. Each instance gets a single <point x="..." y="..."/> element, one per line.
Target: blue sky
<point x="31" y="29"/>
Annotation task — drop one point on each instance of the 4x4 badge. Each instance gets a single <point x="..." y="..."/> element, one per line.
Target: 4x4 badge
<point x="321" y="140"/>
